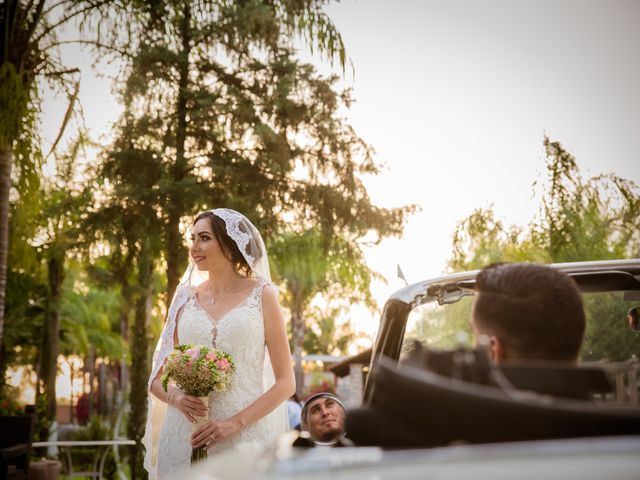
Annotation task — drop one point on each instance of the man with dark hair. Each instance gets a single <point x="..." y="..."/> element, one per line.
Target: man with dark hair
<point x="528" y="312"/>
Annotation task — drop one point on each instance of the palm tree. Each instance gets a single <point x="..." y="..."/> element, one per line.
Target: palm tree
<point x="89" y="319"/>
<point x="28" y="46"/>
<point x="63" y="202"/>
<point x="307" y="266"/>
<point x="302" y="266"/>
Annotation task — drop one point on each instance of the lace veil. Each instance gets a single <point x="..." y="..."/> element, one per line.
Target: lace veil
<point x="251" y="245"/>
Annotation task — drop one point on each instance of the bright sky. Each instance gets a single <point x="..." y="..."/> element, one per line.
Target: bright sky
<point x="455" y="96"/>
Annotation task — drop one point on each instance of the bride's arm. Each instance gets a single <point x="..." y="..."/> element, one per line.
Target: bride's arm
<point x="275" y="334"/>
<point x="276" y="337"/>
<point x="190" y="406"/>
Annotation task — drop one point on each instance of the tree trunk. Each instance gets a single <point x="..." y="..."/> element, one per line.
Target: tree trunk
<point x="124" y="332"/>
<point x="122" y="274"/>
<point x="174" y="252"/>
<point x="297" y="335"/>
<point x="71" y="402"/>
<point x="91" y="369"/>
<point x="6" y="159"/>
<point x="3" y="363"/>
<point x="14" y="97"/>
<point x="140" y="371"/>
<point x="176" y="205"/>
<point x="51" y="331"/>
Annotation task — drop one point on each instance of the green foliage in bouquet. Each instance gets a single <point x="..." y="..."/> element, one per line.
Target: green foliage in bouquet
<point x="198" y="370"/>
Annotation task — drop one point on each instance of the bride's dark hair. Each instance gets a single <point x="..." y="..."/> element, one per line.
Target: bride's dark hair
<point x="228" y="246"/>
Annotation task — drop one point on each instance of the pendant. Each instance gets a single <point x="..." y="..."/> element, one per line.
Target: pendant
<point x="212" y="301"/>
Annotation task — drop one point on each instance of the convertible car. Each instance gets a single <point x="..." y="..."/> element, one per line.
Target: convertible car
<point x="435" y="407"/>
<point x="479" y="402"/>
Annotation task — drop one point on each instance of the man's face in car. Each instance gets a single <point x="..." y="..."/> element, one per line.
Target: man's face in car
<point x="325" y="419"/>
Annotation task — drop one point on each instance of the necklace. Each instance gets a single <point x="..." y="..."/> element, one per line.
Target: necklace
<point x="226" y="291"/>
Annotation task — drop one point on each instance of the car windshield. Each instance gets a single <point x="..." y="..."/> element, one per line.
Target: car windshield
<point x="607" y="338"/>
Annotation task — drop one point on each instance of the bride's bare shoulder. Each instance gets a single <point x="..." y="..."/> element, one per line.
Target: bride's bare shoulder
<point x="200" y="288"/>
<point x="270" y="294"/>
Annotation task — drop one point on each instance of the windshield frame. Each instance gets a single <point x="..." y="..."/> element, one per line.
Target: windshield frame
<point x="602" y="276"/>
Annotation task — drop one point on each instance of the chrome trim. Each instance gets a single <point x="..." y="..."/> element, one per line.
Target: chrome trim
<point x="411" y="293"/>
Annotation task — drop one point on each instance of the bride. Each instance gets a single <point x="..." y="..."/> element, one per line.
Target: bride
<point x="226" y="300"/>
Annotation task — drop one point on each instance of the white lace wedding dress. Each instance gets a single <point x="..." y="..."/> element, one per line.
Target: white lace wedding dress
<point x="241" y="334"/>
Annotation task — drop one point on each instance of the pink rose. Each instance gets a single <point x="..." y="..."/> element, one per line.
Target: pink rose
<point x="223" y="364"/>
<point x="193" y="353"/>
<point x="211" y="356"/>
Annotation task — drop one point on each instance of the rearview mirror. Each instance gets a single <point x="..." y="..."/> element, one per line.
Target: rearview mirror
<point x="323" y="417"/>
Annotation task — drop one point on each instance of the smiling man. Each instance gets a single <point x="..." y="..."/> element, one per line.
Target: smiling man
<point x="323" y="417"/>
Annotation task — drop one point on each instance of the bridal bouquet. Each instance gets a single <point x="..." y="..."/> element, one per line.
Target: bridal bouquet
<point x="198" y="370"/>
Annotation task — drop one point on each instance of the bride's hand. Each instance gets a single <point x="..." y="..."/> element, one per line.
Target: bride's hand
<point x="213" y="432"/>
<point x="189" y="405"/>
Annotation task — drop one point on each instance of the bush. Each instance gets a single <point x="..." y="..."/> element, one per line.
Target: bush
<point x="319" y="383"/>
<point x="8" y="403"/>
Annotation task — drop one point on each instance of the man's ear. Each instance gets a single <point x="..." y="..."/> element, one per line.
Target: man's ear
<point x="497" y="350"/>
